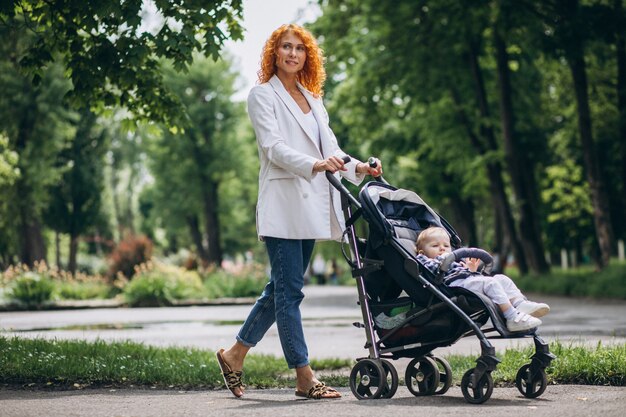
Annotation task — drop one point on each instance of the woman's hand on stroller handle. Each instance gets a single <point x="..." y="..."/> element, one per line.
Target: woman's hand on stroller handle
<point x="373" y="167"/>
<point x="462" y="253"/>
<point x="331" y="164"/>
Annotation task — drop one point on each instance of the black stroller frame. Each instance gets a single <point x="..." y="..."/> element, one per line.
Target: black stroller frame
<point x="442" y="317"/>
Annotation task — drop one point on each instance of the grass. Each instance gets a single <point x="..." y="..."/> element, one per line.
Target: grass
<point x="42" y="363"/>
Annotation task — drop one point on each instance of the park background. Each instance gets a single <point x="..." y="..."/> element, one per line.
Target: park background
<point x="128" y="164"/>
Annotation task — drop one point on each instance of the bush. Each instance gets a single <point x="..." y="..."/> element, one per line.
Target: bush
<point x="580" y="282"/>
<point x="156" y="284"/>
<point x="247" y="281"/>
<point x="89" y="290"/>
<point x="129" y="253"/>
<point x="32" y="289"/>
<point x="35" y="286"/>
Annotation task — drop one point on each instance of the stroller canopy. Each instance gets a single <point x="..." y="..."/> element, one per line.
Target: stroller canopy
<point x="393" y="212"/>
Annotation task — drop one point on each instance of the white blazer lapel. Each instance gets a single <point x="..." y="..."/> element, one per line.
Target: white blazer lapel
<point x="291" y="104"/>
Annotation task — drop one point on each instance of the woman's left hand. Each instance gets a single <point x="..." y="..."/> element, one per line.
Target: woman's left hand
<point x="365" y="168"/>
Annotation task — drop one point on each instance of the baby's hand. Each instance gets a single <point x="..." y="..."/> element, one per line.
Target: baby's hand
<point x="471" y="263"/>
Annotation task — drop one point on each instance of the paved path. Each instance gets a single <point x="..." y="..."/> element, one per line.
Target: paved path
<point x="557" y="401"/>
<point x="328" y="313"/>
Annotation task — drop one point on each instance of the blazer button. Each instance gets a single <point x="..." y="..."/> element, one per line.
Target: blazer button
<point x="305" y="195"/>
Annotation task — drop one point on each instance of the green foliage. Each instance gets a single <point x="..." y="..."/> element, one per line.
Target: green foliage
<point x="84" y="290"/>
<point x="156" y="284"/>
<point x="205" y="175"/>
<point x="75" y="204"/>
<point x="32" y="289"/>
<point x="110" y="50"/>
<point x="8" y="162"/>
<point x="249" y="281"/>
<point x="412" y="98"/>
<point x="583" y="281"/>
<point x="38" y="127"/>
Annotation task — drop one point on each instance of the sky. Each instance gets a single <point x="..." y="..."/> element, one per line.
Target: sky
<point x="260" y="18"/>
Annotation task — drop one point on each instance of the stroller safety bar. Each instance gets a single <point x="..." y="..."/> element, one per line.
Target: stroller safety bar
<point x="462" y="253"/>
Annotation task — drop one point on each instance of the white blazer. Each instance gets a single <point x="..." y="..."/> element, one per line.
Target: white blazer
<point x="294" y="202"/>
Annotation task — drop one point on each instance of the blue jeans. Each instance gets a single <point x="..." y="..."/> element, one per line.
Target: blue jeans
<point x="280" y="300"/>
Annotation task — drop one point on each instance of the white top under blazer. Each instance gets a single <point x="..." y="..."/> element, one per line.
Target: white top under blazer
<point x="294" y="202"/>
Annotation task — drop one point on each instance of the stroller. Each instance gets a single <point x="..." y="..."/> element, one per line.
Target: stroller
<point x="408" y="312"/>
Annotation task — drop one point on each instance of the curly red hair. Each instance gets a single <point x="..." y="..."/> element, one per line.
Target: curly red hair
<point x="312" y="76"/>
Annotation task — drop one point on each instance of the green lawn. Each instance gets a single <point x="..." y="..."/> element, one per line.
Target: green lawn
<point x="77" y="364"/>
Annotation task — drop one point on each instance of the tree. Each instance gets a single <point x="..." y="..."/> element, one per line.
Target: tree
<point x="109" y="53"/>
<point x="429" y="69"/>
<point x="75" y="204"/>
<point x="38" y="127"/>
<point x="570" y="28"/>
<point x="194" y="168"/>
<point x="521" y="166"/>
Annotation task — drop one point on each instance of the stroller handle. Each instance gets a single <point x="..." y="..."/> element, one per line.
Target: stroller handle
<point x="342" y="188"/>
<point x="462" y="253"/>
<point x="372" y="163"/>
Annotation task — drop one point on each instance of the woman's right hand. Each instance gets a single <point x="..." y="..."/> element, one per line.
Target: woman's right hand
<point x="373" y="167"/>
<point x="332" y="164"/>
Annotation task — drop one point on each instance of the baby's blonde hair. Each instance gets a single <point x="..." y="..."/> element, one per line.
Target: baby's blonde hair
<point x="428" y="233"/>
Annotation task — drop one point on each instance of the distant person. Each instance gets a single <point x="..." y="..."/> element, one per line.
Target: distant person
<point x="319" y="269"/>
<point x="519" y="313"/>
<point x="296" y="204"/>
<point x="334" y="272"/>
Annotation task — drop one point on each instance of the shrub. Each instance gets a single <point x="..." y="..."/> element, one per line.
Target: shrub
<point x="129" y="253"/>
<point x="580" y="282"/>
<point x="32" y="289"/>
<point x="84" y="290"/>
<point x="246" y="281"/>
<point x="156" y="284"/>
<point x="40" y="283"/>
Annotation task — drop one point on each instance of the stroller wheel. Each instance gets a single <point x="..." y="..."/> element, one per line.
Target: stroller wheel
<point x="367" y="379"/>
<point x="391" y="380"/>
<point x="476" y="392"/>
<point x="531" y="384"/>
<point x="422" y="376"/>
<point x="445" y="375"/>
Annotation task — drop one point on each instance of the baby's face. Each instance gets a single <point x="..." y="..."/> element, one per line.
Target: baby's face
<point x="436" y="245"/>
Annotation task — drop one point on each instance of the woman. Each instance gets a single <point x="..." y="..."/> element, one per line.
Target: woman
<point x="296" y="204"/>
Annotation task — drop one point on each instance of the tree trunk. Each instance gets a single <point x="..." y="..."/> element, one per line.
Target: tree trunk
<point x="71" y="263"/>
<point x="117" y="211"/>
<point x="32" y="243"/>
<point x="621" y="101"/>
<point x="500" y="251"/>
<point x="209" y="200"/>
<point x="464" y="214"/>
<point x="196" y="237"/>
<point x="494" y="169"/>
<point x="57" y="249"/>
<point x="520" y="168"/>
<point x="599" y="195"/>
<point x="211" y="222"/>
<point x="33" y="246"/>
<point x="499" y="200"/>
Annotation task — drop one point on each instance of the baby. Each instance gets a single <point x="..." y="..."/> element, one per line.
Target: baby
<point x="520" y="314"/>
